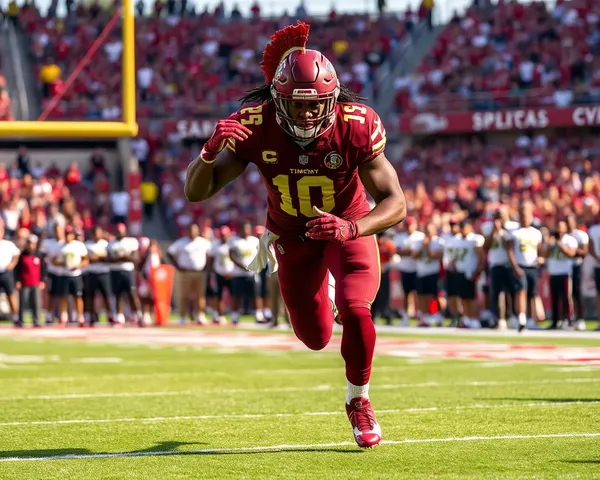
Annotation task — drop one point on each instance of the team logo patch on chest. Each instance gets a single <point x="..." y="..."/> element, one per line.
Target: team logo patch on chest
<point x="333" y="160"/>
<point x="303" y="159"/>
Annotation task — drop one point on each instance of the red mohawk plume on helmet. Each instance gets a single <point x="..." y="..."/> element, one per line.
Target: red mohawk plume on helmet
<point x="282" y="42"/>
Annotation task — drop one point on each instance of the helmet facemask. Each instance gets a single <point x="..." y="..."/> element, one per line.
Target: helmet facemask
<point x="312" y="127"/>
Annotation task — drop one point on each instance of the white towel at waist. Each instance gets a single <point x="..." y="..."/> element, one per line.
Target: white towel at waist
<point x="266" y="253"/>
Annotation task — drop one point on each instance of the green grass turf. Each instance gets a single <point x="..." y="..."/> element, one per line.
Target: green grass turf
<point x="210" y="391"/>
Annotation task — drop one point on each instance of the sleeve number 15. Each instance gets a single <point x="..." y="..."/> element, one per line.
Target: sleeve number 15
<point x="349" y="113"/>
<point x="255" y="117"/>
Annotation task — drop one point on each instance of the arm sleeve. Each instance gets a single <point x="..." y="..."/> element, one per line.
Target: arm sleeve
<point x="369" y="135"/>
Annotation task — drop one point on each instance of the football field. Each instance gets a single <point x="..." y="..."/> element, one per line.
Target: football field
<point x="215" y="403"/>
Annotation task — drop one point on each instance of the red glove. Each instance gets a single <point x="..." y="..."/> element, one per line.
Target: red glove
<point x="330" y="227"/>
<point x="224" y="130"/>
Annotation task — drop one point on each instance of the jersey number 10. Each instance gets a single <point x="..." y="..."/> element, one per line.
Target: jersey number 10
<point x="303" y="185"/>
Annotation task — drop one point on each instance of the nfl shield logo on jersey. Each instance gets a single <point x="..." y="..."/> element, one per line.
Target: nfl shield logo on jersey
<point x="303" y="159"/>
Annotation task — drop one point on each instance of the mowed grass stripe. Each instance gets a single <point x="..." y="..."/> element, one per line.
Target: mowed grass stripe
<point x="292" y="447"/>
<point x="456" y="408"/>
<point x="317" y="388"/>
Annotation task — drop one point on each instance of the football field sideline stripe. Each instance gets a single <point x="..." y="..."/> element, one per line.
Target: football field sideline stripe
<point x="292" y="447"/>
<point x="318" y="388"/>
<point x="301" y="414"/>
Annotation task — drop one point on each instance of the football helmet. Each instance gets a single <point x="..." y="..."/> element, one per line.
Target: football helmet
<point x="305" y="76"/>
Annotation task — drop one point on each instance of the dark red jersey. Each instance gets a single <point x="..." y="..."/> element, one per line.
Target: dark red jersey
<point x="324" y="174"/>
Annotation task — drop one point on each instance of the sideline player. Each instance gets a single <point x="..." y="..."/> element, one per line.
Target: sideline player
<point x="315" y="146"/>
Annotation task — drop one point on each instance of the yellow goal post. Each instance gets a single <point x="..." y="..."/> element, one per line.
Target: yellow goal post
<point x="128" y="127"/>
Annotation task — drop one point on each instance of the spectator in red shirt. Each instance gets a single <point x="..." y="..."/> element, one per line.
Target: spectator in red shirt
<point x="3" y="173"/>
<point x="73" y="174"/>
<point x="29" y="276"/>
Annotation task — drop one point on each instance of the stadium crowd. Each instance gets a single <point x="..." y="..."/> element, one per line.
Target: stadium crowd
<point x="511" y="55"/>
<point x="190" y="65"/>
<point x="5" y="103"/>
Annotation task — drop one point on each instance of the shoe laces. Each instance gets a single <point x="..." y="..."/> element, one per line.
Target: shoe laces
<point x="363" y="417"/>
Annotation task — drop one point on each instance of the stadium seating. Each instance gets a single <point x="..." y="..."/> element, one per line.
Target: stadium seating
<point x="191" y="67"/>
<point x="558" y="173"/>
<point x="513" y="55"/>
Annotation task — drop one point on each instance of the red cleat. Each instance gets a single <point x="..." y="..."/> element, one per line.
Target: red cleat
<point x="367" y="431"/>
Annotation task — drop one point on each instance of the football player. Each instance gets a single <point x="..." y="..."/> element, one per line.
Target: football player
<point x="318" y="149"/>
<point x="583" y="248"/>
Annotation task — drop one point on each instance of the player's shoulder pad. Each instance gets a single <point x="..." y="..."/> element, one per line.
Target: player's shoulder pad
<point x="252" y="118"/>
<point x="366" y="129"/>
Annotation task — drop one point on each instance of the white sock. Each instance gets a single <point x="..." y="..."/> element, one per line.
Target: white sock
<point x="260" y="316"/>
<point x="355" y="391"/>
<point x="120" y="318"/>
<point x="268" y="313"/>
<point x="522" y="319"/>
<point x="64" y="316"/>
<point x="235" y="316"/>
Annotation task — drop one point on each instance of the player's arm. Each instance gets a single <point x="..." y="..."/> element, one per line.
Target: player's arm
<point x="234" y="255"/>
<point x="85" y="261"/>
<point x="593" y="251"/>
<point x="204" y="180"/>
<point x="489" y="238"/>
<point x="171" y="252"/>
<point x="510" y="252"/>
<point x="381" y="181"/>
<point x="416" y="250"/>
<point x="569" y="249"/>
<point x="435" y="252"/>
<point x="14" y="260"/>
<point x="216" y="166"/>
<point x="480" y="252"/>
<point x="584" y="248"/>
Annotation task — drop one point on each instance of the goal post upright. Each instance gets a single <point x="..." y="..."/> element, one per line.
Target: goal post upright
<point x="82" y="129"/>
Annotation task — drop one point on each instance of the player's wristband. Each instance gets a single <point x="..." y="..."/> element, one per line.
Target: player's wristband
<point x="204" y="157"/>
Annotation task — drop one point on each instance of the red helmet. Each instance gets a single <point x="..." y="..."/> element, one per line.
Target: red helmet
<point x="305" y="76"/>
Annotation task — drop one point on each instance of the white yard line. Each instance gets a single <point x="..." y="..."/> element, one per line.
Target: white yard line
<point x="318" y="388"/>
<point x="283" y="448"/>
<point x="302" y="414"/>
<point x="74" y="396"/>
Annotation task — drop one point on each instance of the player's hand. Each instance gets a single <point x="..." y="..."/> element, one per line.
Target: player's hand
<point x="224" y="130"/>
<point x="519" y="272"/>
<point x="331" y="227"/>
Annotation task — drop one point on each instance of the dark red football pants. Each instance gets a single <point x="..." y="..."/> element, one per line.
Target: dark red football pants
<point x="303" y="278"/>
